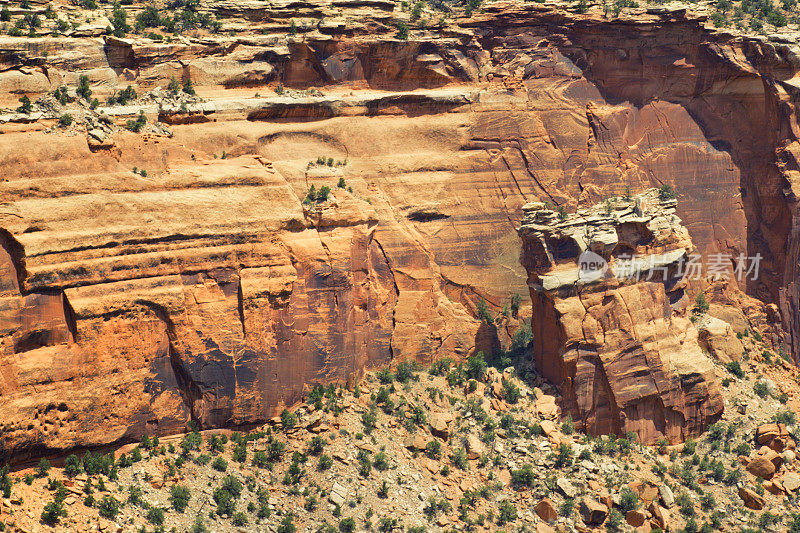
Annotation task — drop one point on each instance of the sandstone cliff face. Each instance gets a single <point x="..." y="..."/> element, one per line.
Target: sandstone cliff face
<point x="207" y="289"/>
<point x="615" y="340"/>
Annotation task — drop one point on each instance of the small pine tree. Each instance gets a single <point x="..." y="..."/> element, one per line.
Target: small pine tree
<point x="25" y="105"/>
<point x="188" y="88"/>
<point x="402" y="31"/>
<point x="83" y="89"/>
<point x="700" y="303"/>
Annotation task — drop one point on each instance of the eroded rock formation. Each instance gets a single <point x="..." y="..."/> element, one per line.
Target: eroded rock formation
<point x="609" y="323"/>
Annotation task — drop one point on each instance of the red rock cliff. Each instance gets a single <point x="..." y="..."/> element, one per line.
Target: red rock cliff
<point x="207" y="289"/>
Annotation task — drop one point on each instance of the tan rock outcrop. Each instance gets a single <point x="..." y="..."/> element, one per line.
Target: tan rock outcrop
<point x="718" y="338"/>
<point x="606" y="332"/>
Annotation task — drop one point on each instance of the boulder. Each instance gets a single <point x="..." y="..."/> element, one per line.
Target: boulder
<point x="788" y="456"/>
<point x="774" y="457"/>
<point x="666" y="496"/>
<point x="548" y="428"/>
<point x="761" y="467"/>
<point x="417" y="441"/>
<point x="440" y="424"/>
<point x="765" y="433"/>
<point x="566" y="487"/>
<point x="635" y="518"/>
<point x="541" y="527"/>
<point x="546" y="510"/>
<point x="791" y="481"/>
<point x="660" y="515"/>
<point x="546" y="406"/>
<point x="751" y="499"/>
<point x="592" y="511"/>
<point x="474" y="447"/>
<point x="338" y="494"/>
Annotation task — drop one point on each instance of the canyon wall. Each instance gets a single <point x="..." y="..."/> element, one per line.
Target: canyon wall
<point x="208" y="289"/>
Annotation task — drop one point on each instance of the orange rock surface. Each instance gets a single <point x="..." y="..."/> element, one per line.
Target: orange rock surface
<point x="207" y="289"/>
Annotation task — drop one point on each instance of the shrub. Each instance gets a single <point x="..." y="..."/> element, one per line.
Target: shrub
<point x="188" y="88"/>
<point x="404" y="372"/>
<point x="689" y="447"/>
<point x="784" y="417"/>
<point x="614" y="521"/>
<point x="288" y="419"/>
<point x="735" y="368"/>
<point x="174" y="87"/>
<point x="564" y="457"/>
<point x="483" y="311"/>
<point x="239" y="519"/>
<point x="476" y="366"/>
<point x="566" y="508"/>
<point x="440" y="367"/>
<point x="65" y="120"/>
<point x="386" y="525"/>
<point x="137" y="125"/>
<point x="700" y="303"/>
<point x="53" y="512"/>
<point x="433" y="450"/>
<point x="733" y="477"/>
<point x="316" y="445"/>
<point x="347" y="525"/>
<point x="364" y="464"/>
<point x="233" y="485"/>
<point x="325" y="462"/>
<point x="507" y="512"/>
<point x="287" y="524"/>
<point x="511" y="392"/>
<point x="155" y="515"/>
<point x="108" y="507"/>
<point x="761" y="389"/>
<point x="260" y="459"/>
<point x="219" y="464"/>
<point x="381" y="462"/>
<point x="83" y="89"/>
<point x="179" y="497"/>
<point x="459" y="458"/>
<point x="385" y="376"/>
<point x="275" y="450"/>
<point x="629" y="500"/>
<point x="5" y="482"/>
<point x="568" y="426"/>
<point x="383" y="490"/>
<point x="148" y="18"/>
<point x="402" y="31"/>
<point x="226" y="503"/>
<point x="369" y="418"/>
<point x="126" y="95"/>
<point x="42" y="468"/>
<point x="666" y="192"/>
<point x="240" y="453"/>
<point x="523" y="477"/>
<point x="25" y="105"/>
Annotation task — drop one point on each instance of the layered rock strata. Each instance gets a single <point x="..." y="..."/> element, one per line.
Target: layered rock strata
<point x="206" y="288"/>
<point x="609" y="327"/>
